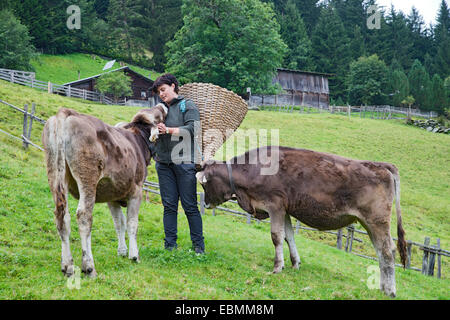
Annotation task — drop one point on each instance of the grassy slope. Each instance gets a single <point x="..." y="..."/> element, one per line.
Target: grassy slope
<point x="61" y="69"/>
<point x="240" y="256"/>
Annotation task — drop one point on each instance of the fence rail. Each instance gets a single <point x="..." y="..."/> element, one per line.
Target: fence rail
<point x="374" y="112"/>
<point x="22" y="78"/>
<point x="429" y="251"/>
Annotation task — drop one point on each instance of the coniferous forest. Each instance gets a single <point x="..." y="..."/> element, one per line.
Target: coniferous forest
<point x="383" y="56"/>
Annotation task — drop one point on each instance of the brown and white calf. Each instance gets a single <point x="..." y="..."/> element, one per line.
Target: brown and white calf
<point x="322" y="190"/>
<point x="96" y="162"/>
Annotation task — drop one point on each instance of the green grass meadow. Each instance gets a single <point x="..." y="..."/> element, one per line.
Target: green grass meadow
<point x="61" y="69"/>
<point x="239" y="257"/>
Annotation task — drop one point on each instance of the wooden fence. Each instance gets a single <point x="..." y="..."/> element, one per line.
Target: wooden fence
<point x="27" y="79"/>
<point x="429" y="251"/>
<point x="372" y="112"/>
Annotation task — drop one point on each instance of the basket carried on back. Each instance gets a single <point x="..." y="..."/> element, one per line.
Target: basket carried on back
<point x="221" y="113"/>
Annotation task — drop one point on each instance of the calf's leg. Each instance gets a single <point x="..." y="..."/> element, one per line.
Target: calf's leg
<point x="121" y="227"/>
<point x="62" y="221"/>
<point x="132" y="225"/>
<point x="277" y="232"/>
<point x="84" y="219"/>
<point x="385" y="248"/>
<point x="289" y="237"/>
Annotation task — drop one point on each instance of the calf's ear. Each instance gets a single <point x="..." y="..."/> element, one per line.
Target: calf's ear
<point x="201" y="178"/>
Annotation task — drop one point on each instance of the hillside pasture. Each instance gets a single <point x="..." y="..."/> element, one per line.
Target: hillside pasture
<point x="239" y="256"/>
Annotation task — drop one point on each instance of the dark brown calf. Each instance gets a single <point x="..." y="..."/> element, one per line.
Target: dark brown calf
<point x="322" y="190"/>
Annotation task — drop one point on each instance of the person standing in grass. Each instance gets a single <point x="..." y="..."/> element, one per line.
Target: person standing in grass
<point x="175" y="166"/>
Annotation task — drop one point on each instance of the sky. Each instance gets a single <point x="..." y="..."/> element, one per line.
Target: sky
<point x="427" y="8"/>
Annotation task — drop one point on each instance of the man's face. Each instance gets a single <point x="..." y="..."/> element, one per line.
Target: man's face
<point x="167" y="93"/>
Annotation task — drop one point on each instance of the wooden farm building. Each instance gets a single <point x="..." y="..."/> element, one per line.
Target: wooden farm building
<point x="305" y="88"/>
<point x="140" y="85"/>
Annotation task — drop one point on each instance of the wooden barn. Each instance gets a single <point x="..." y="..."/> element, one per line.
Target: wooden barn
<point x="304" y="87"/>
<point x="141" y="85"/>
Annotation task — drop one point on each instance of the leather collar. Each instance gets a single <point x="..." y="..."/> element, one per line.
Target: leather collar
<point x="230" y="176"/>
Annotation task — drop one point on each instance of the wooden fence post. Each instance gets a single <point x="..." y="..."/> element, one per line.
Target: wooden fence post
<point x="297" y="226"/>
<point x="408" y="251"/>
<point x="438" y="246"/>
<point x="349" y="242"/>
<point x="431" y="261"/>
<point x="202" y="203"/>
<point x="49" y="87"/>
<point x="25" y="126"/>
<point x="33" y="109"/>
<point x="425" y="256"/>
<point x="339" y="239"/>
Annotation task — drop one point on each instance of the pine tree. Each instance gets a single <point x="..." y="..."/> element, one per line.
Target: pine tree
<point x="438" y="95"/>
<point x="310" y="11"/>
<point x="442" y="40"/>
<point x="331" y="50"/>
<point x="126" y="19"/>
<point x="357" y="44"/>
<point x="442" y="27"/>
<point x="419" y="84"/>
<point x="399" y="39"/>
<point x="293" y="33"/>
<point x="421" y="43"/>
<point x="163" y="19"/>
<point x="398" y="87"/>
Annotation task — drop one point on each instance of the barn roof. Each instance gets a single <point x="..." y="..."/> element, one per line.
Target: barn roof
<point x="98" y="75"/>
<point x="307" y="72"/>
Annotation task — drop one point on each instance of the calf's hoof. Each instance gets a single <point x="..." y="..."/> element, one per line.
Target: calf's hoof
<point x="87" y="267"/>
<point x="91" y="273"/>
<point x="122" y="252"/>
<point x="277" y="269"/>
<point x="135" y="259"/>
<point x="67" y="270"/>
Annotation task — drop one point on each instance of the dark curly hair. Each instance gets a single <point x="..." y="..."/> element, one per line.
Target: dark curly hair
<point x="168" y="79"/>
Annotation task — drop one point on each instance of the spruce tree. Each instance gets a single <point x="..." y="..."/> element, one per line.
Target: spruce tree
<point x="398" y="87"/>
<point x="125" y="17"/>
<point x="438" y="95"/>
<point x="293" y="33"/>
<point x="331" y="51"/>
<point x="419" y="84"/>
<point x="442" y="40"/>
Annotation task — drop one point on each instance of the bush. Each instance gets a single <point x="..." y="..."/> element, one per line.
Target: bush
<point x="16" y="49"/>
<point x="116" y="84"/>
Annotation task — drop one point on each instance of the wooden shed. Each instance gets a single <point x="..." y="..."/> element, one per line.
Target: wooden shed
<point x="306" y="88"/>
<point x="141" y="85"/>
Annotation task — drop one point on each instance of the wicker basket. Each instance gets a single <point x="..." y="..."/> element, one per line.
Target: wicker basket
<point x="220" y="110"/>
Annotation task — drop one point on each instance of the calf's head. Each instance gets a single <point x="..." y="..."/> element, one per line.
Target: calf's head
<point x="151" y="117"/>
<point x="213" y="176"/>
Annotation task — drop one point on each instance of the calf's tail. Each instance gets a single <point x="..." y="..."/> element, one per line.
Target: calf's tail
<point x="401" y="243"/>
<point x="53" y="141"/>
